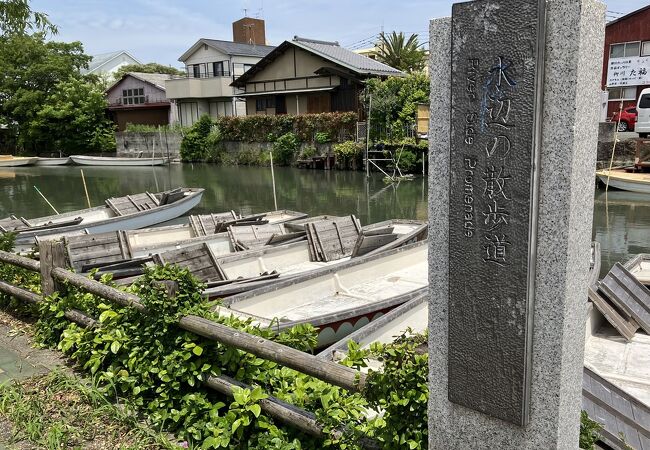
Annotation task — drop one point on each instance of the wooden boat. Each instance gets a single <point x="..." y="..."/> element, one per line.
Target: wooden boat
<point x="340" y="299"/>
<point x="639" y="266"/>
<point x="86" y="252"/>
<point x="129" y="212"/>
<point x="16" y="161"/>
<point x="115" y="161"/>
<point x="52" y="161"/>
<point x="626" y="181"/>
<point x="413" y="315"/>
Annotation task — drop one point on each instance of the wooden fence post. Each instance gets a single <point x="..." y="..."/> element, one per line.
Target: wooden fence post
<point x="52" y="255"/>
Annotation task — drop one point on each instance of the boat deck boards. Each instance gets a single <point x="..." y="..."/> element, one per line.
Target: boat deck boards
<point x="625" y="363"/>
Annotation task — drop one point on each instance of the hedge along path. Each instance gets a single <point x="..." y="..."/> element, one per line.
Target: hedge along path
<point x="295" y="359"/>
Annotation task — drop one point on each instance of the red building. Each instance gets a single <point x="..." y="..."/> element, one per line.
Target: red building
<point x="626" y="63"/>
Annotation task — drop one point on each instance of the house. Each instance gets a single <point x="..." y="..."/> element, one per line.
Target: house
<point x="211" y="66"/>
<point x="139" y="98"/>
<point x="108" y="63"/>
<point x="308" y="76"/>
<point x="626" y="63"/>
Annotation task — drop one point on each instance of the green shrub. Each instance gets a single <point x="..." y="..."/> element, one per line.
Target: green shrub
<point x="348" y="149"/>
<point x="589" y="431"/>
<point x="322" y="138"/>
<point x="194" y="146"/>
<point x="407" y="160"/>
<point x="308" y="152"/>
<point x="285" y="149"/>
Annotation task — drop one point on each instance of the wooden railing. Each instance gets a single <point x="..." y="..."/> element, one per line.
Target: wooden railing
<point x="51" y="268"/>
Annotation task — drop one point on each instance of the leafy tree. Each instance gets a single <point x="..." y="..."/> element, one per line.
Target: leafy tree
<point x="147" y="68"/>
<point x="395" y="100"/>
<point x="73" y="119"/>
<point x="17" y="17"/>
<point x="30" y="70"/>
<point x="401" y="53"/>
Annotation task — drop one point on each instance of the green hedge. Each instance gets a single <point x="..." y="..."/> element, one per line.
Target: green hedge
<point x="269" y="128"/>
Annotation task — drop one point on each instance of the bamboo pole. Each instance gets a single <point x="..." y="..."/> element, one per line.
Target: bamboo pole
<point x="275" y="199"/>
<point x="46" y="200"/>
<point x="83" y="179"/>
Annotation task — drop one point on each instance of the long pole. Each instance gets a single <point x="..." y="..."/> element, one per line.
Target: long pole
<point x="275" y="199"/>
<point x="368" y="137"/>
<point x="46" y="200"/>
<point x="83" y="179"/>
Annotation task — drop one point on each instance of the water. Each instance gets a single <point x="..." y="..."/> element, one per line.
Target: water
<point x="621" y="219"/>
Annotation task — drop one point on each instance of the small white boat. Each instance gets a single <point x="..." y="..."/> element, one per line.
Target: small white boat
<point x="129" y="212"/>
<point x="339" y="299"/>
<point x="16" y="161"/>
<point x="52" y="161"/>
<point x="626" y="181"/>
<point x="639" y="266"/>
<point x="115" y="161"/>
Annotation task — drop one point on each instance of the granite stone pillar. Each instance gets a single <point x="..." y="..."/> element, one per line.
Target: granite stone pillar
<point x="571" y="98"/>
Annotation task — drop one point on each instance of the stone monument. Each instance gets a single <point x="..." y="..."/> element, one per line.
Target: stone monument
<point x="510" y="207"/>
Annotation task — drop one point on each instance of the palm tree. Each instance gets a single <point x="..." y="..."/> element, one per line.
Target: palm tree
<point x="401" y="53"/>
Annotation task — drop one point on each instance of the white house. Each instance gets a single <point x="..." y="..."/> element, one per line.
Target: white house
<point x="211" y="66"/>
<point x="108" y="63"/>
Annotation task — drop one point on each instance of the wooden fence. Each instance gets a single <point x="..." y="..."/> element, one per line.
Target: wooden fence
<point x="53" y="272"/>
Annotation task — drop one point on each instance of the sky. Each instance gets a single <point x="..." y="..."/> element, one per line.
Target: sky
<point x="161" y="30"/>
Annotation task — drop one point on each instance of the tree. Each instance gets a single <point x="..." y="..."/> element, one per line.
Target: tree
<point x="401" y="53"/>
<point x="147" y="68"/>
<point x="395" y="100"/>
<point x="30" y="70"/>
<point x="73" y="119"/>
<point x="17" y="17"/>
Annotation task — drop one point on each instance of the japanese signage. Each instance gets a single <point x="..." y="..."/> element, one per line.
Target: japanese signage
<point x="496" y="77"/>
<point x="628" y="71"/>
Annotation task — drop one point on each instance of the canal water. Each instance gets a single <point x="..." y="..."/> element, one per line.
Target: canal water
<point x="621" y="219"/>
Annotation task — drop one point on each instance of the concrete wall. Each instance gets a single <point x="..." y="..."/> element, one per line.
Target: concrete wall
<point x="623" y="153"/>
<point x="131" y="144"/>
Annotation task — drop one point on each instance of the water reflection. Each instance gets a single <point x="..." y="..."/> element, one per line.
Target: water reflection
<point x="621" y="219"/>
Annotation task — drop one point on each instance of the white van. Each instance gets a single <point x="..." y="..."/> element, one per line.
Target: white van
<point x="643" y="114"/>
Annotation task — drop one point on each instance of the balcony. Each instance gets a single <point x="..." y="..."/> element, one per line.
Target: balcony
<point x="204" y="85"/>
<point x="137" y="102"/>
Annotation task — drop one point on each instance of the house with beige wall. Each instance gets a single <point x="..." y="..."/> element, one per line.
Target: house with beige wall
<point x="210" y="67"/>
<point x="305" y="76"/>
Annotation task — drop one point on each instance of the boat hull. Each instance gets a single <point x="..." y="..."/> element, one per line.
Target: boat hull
<point x="122" y="162"/>
<point x="52" y="161"/>
<point x="17" y="162"/>
<point x="625" y="181"/>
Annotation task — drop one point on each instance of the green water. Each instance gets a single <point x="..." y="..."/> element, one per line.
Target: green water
<point x="621" y="219"/>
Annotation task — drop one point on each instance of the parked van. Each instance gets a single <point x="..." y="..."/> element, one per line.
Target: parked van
<point x="643" y="114"/>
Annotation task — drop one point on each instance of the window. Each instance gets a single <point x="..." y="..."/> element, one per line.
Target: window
<point x="133" y="96"/>
<point x="644" y="101"/>
<point x="247" y="66"/>
<point x="624" y="50"/>
<point x="622" y="93"/>
<point x="264" y="103"/>
<point x="645" y="48"/>
<point x="217" y="69"/>
<point x="196" y="71"/>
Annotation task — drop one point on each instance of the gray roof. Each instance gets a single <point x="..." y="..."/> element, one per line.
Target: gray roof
<point x="346" y="58"/>
<point x="157" y="79"/>
<point x="230" y="48"/>
<point x="103" y="58"/>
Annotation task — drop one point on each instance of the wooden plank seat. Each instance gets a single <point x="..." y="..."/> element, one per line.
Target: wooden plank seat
<point x="198" y="259"/>
<point x="629" y="295"/>
<point x="333" y="239"/>
<point x="88" y="251"/>
<point x="208" y="224"/>
<point x="130" y="204"/>
<point x="253" y="236"/>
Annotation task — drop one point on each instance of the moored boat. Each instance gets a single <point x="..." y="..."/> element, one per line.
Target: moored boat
<point x="626" y="181"/>
<point x="16" y="161"/>
<point x="129" y="212"/>
<point x="52" y="161"/>
<point x="116" y="161"/>
<point x="338" y="299"/>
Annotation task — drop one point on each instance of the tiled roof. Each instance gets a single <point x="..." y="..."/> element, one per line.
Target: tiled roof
<point x="238" y="48"/>
<point x="347" y="58"/>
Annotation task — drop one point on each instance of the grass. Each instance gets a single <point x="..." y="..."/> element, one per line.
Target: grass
<point x="58" y="411"/>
